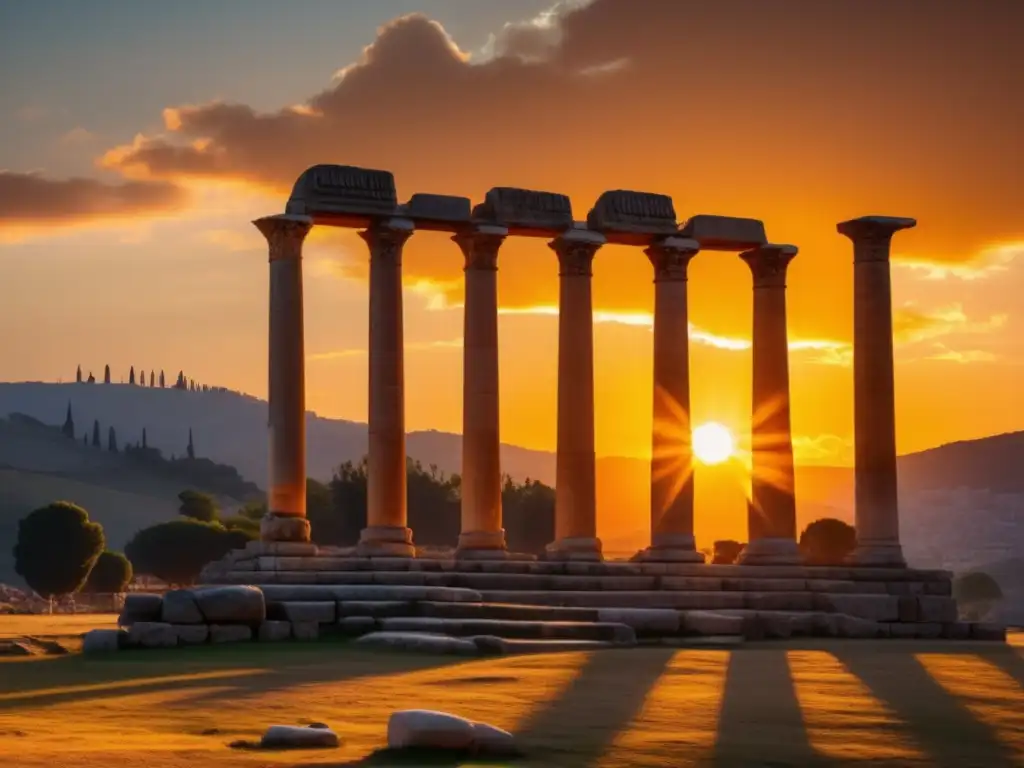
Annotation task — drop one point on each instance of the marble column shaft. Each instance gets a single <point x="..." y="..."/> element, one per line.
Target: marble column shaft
<point x="772" y="509"/>
<point x="575" y="474"/>
<point x="482" y="532"/>
<point x="386" y="531"/>
<point x="874" y="407"/>
<point x="672" y="489"/>
<point x="286" y="497"/>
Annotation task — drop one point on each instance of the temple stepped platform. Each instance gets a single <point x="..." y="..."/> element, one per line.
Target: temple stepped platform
<point x="604" y="603"/>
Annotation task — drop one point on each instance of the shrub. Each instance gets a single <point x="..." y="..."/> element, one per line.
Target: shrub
<point x="176" y="551"/>
<point x="111" y="574"/>
<point x="827" y="542"/>
<point x="56" y="549"/>
<point x="726" y="552"/>
<point x="198" y="505"/>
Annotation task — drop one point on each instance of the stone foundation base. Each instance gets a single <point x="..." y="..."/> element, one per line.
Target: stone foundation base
<point x="482" y="541"/>
<point x="771" y="552"/>
<point x="878" y="555"/>
<point x="581" y="549"/>
<point x="284" y="528"/>
<point x="386" y="541"/>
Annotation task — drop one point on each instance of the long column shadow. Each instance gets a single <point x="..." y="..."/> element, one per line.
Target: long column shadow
<point x="578" y="727"/>
<point x="747" y="729"/>
<point x="937" y="721"/>
<point x="1009" y="660"/>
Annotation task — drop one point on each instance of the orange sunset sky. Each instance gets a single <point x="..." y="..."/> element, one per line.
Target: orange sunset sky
<point x="138" y="142"/>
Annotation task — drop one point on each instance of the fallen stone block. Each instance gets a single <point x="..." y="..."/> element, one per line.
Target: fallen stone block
<point x="423" y="642"/>
<point x="306" y="630"/>
<point x="191" y="634"/>
<point x="152" y="634"/>
<point x="139" y="606"/>
<point x="103" y="640"/>
<point x="294" y="737"/>
<point x="230" y="633"/>
<point x="231" y="604"/>
<point x="428" y="729"/>
<point x="274" y="631"/>
<point x="180" y="607"/>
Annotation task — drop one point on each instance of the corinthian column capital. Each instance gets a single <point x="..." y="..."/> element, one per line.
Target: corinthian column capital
<point x="671" y="257"/>
<point x="480" y="245"/>
<point x="576" y="249"/>
<point x="387" y="237"/>
<point x="768" y="264"/>
<point x="285" y="234"/>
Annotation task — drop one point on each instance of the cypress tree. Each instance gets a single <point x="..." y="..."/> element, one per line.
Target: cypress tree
<point x="112" y="441"/>
<point x="144" y="438"/>
<point x="106" y="374"/>
<point x="191" y="448"/>
<point x="78" y="375"/>
<point x="68" y="429"/>
<point x="151" y="379"/>
<point x="96" y="433"/>
<point x="163" y="381"/>
<point x="131" y="375"/>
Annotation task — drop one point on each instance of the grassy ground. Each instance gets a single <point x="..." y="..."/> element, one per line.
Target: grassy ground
<point x="887" y="703"/>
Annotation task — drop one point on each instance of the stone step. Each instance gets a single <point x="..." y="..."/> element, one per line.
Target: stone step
<point x="625" y="581"/>
<point x="511" y="646"/>
<point x="513" y="630"/>
<point x="376" y="592"/>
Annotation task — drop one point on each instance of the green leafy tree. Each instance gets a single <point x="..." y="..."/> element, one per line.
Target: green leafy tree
<point x="726" y="551"/>
<point x="827" y="542"/>
<point x="56" y="549"/>
<point x="198" y="505"/>
<point x="111" y="574"/>
<point x="176" y="551"/>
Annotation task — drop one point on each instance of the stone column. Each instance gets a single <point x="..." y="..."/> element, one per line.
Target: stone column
<point x="671" y="447"/>
<point x="874" y="408"/>
<point x="575" y="480"/>
<point x="386" y="531"/>
<point x="771" y="513"/>
<point x="286" y="496"/>
<point x="482" y="534"/>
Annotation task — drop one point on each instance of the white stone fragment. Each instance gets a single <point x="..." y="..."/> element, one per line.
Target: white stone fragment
<point x="425" y="728"/>
<point x="424" y="642"/>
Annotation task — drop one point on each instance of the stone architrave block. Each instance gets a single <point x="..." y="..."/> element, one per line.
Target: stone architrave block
<point x="525" y="210"/>
<point x="632" y="218"/>
<point x="344" y="194"/>
<point x="274" y="631"/>
<point x="229" y="633"/>
<point x="152" y="634"/>
<point x="446" y="213"/>
<point x="191" y="634"/>
<point x="724" y="233"/>
<point x="231" y="604"/>
<point x="139" y="606"/>
<point x="180" y="607"/>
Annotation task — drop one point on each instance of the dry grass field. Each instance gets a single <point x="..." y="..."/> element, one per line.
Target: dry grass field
<point x="837" y="703"/>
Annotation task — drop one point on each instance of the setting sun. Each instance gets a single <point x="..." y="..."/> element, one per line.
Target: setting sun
<point x="712" y="443"/>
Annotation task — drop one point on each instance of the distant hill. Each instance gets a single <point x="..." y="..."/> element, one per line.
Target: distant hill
<point x="38" y="465"/>
<point x="962" y="504"/>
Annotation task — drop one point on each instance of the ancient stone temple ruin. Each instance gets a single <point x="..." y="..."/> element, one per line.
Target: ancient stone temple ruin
<point x="666" y="590"/>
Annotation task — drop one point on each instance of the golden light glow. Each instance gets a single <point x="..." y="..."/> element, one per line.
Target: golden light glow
<point x="712" y="443"/>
